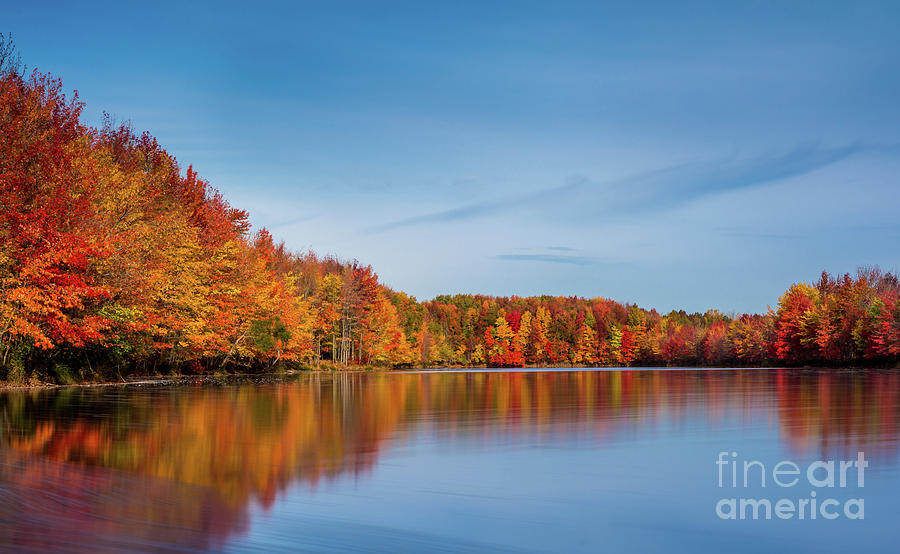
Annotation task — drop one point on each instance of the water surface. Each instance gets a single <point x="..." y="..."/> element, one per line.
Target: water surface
<point x="587" y="460"/>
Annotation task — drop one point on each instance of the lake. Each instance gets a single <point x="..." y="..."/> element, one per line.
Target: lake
<point x="456" y="461"/>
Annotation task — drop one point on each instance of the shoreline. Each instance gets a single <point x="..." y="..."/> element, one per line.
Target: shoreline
<point x="273" y="377"/>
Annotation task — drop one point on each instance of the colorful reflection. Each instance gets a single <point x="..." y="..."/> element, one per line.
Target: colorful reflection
<point x="132" y="467"/>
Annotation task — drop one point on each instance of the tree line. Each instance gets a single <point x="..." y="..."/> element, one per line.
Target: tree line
<point x="116" y="260"/>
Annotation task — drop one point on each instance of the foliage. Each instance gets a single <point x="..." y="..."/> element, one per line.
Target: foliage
<point x="114" y="260"/>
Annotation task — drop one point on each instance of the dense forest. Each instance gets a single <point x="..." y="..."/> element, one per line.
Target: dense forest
<point x="116" y="260"/>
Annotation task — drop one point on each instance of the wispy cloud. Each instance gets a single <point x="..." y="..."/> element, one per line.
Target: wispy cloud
<point x="679" y="185"/>
<point x="283" y="224"/>
<point x="456" y="214"/>
<point x="735" y="232"/>
<point x="660" y="189"/>
<point x="549" y="258"/>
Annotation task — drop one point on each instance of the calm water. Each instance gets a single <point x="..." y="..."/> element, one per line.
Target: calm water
<point x="446" y="461"/>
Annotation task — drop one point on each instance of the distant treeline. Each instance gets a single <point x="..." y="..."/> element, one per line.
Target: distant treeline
<point x="115" y="260"/>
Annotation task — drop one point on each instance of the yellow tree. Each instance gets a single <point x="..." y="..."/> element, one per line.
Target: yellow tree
<point x="382" y="338"/>
<point x="540" y="343"/>
<point x="326" y="305"/>
<point x="497" y="341"/>
<point x="585" y="350"/>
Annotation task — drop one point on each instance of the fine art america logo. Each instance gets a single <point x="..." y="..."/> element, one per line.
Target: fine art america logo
<point x="823" y="478"/>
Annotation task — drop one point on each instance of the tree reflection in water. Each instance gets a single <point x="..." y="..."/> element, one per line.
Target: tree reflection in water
<point x="126" y="467"/>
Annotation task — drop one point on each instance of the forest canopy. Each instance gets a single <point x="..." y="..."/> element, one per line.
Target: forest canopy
<point x="116" y="260"/>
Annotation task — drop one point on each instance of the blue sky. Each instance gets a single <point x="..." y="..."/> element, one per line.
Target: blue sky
<point x="680" y="154"/>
